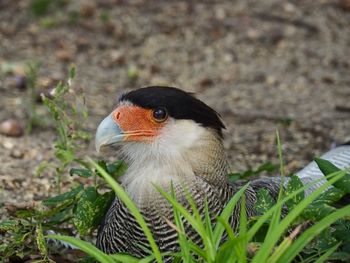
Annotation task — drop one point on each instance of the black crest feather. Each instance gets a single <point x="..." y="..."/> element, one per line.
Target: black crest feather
<point x="178" y="103"/>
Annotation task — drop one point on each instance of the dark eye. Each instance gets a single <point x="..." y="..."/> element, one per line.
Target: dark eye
<point x="160" y="114"/>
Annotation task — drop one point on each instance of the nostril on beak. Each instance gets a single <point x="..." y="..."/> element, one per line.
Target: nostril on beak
<point x="117" y="115"/>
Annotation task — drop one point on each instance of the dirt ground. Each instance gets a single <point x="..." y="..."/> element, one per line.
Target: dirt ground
<point x="258" y="63"/>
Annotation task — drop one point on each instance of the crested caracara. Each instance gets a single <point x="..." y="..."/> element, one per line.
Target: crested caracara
<point x="170" y="138"/>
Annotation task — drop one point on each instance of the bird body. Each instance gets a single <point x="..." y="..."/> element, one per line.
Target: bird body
<point x="171" y="139"/>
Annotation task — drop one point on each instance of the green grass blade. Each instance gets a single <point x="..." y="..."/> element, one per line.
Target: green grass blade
<point x="86" y="247"/>
<point x="183" y="241"/>
<point x="227" y="227"/>
<point x="198" y="226"/>
<point x="285" y="244"/>
<point x="147" y="259"/>
<point x="311" y="232"/>
<point x="225" y="216"/>
<point x="198" y="250"/>
<point x="277" y="213"/>
<point x="274" y="236"/>
<point x="229" y="251"/>
<point x="207" y="240"/>
<point x="123" y="196"/>
<point x="263" y="218"/>
<point x="208" y="224"/>
<point x="209" y="231"/>
<point x="326" y="255"/>
<point x="242" y="256"/>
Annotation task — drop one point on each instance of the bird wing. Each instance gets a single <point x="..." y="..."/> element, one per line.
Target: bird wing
<point x="339" y="156"/>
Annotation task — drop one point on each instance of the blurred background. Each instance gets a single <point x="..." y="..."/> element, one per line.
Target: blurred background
<point x="261" y="64"/>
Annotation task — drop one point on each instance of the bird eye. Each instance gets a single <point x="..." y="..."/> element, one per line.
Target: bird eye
<point x="160" y="114"/>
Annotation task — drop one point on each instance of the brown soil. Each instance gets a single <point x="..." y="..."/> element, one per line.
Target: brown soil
<point x="256" y="62"/>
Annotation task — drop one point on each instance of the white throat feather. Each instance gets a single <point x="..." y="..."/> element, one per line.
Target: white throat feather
<point x="163" y="161"/>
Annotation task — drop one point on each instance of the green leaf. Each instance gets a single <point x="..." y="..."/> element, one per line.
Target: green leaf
<point x="317" y="212"/>
<point x="51" y="107"/>
<point x="327" y="168"/>
<point x="117" y="169"/>
<point x="275" y="234"/>
<point x="8" y="225"/>
<point x="40" y="7"/>
<point x="63" y="197"/>
<point x="90" y="209"/>
<point x="59" y="90"/>
<point x="293" y="185"/>
<point x="330" y="196"/>
<point x="82" y="172"/>
<point x="311" y="232"/>
<point x="232" y="177"/>
<point x="86" y="247"/>
<point x="320" y="207"/>
<point x="26" y="212"/>
<point x="40" y="241"/>
<point x="342" y="232"/>
<point x="342" y="256"/>
<point x="266" y="167"/>
<point x="72" y="71"/>
<point x="264" y="201"/>
<point x="59" y="217"/>
<point x="65" y="155"/>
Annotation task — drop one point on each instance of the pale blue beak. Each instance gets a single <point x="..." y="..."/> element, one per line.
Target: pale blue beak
<point x="108" y="133"/>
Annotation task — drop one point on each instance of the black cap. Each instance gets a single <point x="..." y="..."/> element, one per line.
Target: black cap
<point x="178" y="103"/>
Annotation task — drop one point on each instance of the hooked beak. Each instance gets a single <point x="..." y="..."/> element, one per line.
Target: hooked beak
<point x="108" y="133"/>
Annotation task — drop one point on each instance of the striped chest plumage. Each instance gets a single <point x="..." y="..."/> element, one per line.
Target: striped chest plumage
<point x="121" y="233"/>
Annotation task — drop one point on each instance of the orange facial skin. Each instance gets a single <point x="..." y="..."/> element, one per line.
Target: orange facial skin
<point x="137" y="123"/>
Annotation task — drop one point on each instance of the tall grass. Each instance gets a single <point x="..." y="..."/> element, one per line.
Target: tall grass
<point x="280" y="243"/>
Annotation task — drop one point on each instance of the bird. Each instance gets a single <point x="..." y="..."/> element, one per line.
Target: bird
<point x="173" y="140"/>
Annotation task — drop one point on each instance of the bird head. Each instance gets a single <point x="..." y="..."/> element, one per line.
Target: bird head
<point x="165" y="129"/>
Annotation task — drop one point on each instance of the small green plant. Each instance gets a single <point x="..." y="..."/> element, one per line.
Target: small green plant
<point x="41" y="7"/>
<point x="78" y="210"/>
<point x="34" y="119"/>
<point x="267" y="167"/>
<point x="105" y="17"/>
<point x="69" y="114"/>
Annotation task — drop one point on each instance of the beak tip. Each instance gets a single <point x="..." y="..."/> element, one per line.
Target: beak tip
<point x="108" y="132"/>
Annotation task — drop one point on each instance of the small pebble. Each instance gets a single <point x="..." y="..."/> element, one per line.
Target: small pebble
<point x="88" y="9"/>
<point x="11" y="128"/>
<point x="345" y="5"/>
<point x="64" y="55"/>
<point x="8" y="145"/>
<point x="18" y="154"/>
<point x="19" y="82"/>
<point x="117" y="56"/>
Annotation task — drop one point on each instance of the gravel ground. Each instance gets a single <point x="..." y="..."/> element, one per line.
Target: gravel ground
<point x="258" y="63"/>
